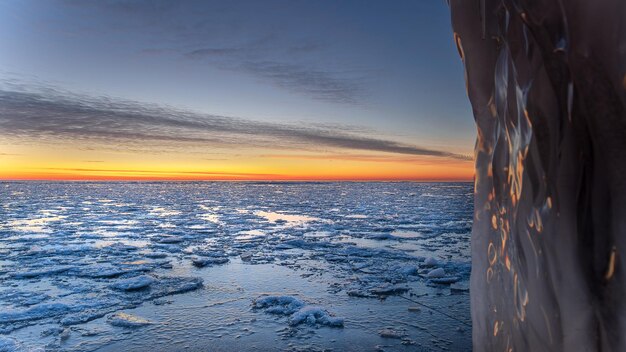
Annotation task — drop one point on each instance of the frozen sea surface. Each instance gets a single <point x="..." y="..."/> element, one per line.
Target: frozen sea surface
<point x="230" y="266"/>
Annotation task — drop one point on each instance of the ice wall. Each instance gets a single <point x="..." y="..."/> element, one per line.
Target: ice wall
<point x="547" y="84"/>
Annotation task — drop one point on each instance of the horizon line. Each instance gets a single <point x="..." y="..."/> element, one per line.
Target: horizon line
<point x="147" y="180"/>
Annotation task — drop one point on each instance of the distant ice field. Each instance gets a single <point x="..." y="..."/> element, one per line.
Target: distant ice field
<point x="235" y="266"/>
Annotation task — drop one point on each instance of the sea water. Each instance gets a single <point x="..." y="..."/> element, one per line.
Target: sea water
<point x="230" y="266"/>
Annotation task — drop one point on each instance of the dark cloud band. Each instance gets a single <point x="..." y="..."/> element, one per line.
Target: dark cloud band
<point x="48" y="112"/>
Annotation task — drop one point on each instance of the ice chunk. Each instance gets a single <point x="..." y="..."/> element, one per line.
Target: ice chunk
<point x="174" y="285"/>
<point x="314" y="315"/>
<point x="459" y="287"/>
<point x="382" y="236"/>
<point x="205" y="261"/>
<point x="359" y="293"/>
<point x="37" y="312"/>
<point x="247" y="256"/>
<point x="156" y="255"/>
<point x="407" y="270"/>
<point x="9" y="344"/>
<point x="390" y="333"/>
<point x="389" y="290"/>
<point x="170" y="239"/>
<point x="98" y="271"/>
<point x="53" y="331"/>
<point x="436" y="273"/>
<point x="22" y="298"/>
<point x="42" y="272"/>
<point x="300" y="313"/>
<point x="294" y="244"/>
<point x="133" y="283"/>
<point x="127" y="320"/>
<point x="83" y="316"/>
<point x="430" y="261"/>
<point x="165" y="264"/>
<point x="445" y="280"/>
<point x="278" y="304"/>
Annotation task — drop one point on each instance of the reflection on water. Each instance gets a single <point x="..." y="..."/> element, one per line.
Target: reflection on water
<point x="127" y="242"/>
<point x="356" y="216"/>
<point x="250" y="235"/>
<point x="163" y="212"/>
<point x="210" y="217"/>
<point x="286" y="218"/>
<point x="406" y="234"/>
<point x="33" y="225"/>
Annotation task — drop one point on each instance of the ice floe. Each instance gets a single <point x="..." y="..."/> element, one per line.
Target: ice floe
<point x="126" y="320"/>
<point x="133" y="283"/>
<point x="44" y="310"/>
<point x="299" y="312"/>
<point x="207" y="261"/>
<point x="144" y="243"/>
<point x="391" y="333"/>
<point x="9" y="344"/>
<point x="278" y="304"/>
<point x="314" y="315"/>
<point x="436" y="273"/>
<point x="430" y="261"/>
<point x="41" y="272"/>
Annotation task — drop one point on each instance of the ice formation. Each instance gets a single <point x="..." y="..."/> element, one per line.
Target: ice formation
<point x="133" y="246"/>
<point x="205" y="261"/>
<point x="133" y="283"/>
<point x="300" y="313"/>
<point x="314" y="315"/>
<point x="436" y="273"/>
<point x="278" y="304"/>
<point x="127" y="320"/>
<point x="8" y="344"/>
<point x="548" y="91"/>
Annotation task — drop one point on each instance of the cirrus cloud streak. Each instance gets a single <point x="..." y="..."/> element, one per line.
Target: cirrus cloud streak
<point x="47" y="112"/>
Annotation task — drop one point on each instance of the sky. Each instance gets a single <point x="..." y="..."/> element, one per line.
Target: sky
<point x="232" y="90"/>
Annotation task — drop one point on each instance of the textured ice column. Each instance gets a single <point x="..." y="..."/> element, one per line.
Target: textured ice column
<point x="547" y="83"/>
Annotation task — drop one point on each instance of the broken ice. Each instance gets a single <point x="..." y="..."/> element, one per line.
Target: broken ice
<point x="98" y="265"/>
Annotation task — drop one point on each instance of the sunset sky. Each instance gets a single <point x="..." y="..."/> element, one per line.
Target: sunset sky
<point x="232" y="90"/>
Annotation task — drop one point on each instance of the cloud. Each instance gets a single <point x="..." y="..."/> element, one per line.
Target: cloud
<point x="369" y="158"/>
<point x="47" y="112"/>
<point x="256" y="38"/>
<point x="156" y="51"/>
<point x="159" y="172"/>
<point x="208" y="52"/>
<point x="304" y="79"/>
<point x="318" y="84"/>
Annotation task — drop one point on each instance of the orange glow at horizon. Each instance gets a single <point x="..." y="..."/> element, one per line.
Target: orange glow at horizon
<point x="41" y="161"/>
<point x="460" y="177"/>
<point x="421" y="173"/>
<point x="294" y="170"/>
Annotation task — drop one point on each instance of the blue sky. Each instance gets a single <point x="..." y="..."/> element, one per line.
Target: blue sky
<point x="387" y="69"/>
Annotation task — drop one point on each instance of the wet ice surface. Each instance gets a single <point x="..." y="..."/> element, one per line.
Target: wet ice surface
<point x="234" y="266"/>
